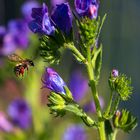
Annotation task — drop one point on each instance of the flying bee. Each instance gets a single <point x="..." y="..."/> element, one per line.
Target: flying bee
<point x="22" y="64"/>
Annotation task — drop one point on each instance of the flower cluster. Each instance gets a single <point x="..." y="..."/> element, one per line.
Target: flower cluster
<point x="56" y="32"/>
<point x="44" y="24"/>
<point x="17" y="35"/>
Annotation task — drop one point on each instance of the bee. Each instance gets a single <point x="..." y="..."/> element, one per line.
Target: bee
<point x="22" y="64"/>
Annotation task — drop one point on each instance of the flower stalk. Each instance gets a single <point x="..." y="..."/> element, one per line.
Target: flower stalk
<point x="89" y="53"/>
<point x="101" y="127"/>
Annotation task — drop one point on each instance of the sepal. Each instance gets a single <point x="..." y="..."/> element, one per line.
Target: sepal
<point x="49" y="49"/>
<point x="60" y="103"/>
<point x="88" y="30"/>
<point x="124" y="120"/>
<point x="122" y="85"/>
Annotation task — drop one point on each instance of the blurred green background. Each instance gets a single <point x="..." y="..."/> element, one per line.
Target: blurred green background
<point x="120" y="38"/>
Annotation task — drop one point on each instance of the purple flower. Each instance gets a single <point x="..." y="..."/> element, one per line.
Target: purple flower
<point x="7" y="45"/>
<point x="56" y="2"/>
<point x="78" y="85"/>
<point x="53" y="81"/>
<point x="2" y="34"/>
<point x="5" y="125"/>
<point x="75" y="132"/>
<point x="26" y="9"/>
<point x="19" y="30"/>
<point x="90" y="106"/>
<point x="20" y="113"/>
<point x="62" y="17"/>
<point x="87" y="8"/>
<point x="115" y="73"/>
<point x="41" y="22"/>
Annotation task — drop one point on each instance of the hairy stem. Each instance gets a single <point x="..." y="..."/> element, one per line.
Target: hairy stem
<point x="101" y="127"/>
<point x="114" y="134"/>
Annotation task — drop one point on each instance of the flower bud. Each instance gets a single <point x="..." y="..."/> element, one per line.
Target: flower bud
<point x="87" y="8"/>
<point x="120" y="84"/>
<point x="53" y="81"/>
<point x="62" y="17"/>
<point x="124" y="120"/>
<point x="115" y="73"/>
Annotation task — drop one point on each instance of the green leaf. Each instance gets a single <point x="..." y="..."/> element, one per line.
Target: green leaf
<point x="97" y="62"/>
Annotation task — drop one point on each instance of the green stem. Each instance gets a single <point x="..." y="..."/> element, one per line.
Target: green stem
<point x="108" y="110"/>
<point x="114" y="134"/>
<point x="75" y="51"/>
<point x="101" y="127"/>
<point x="116" y="104"/>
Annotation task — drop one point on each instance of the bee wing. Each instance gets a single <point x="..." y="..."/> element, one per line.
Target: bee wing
<point x="15" y="58"/>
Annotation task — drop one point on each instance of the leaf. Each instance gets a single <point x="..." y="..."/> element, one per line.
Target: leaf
<point x="97" y="62"/>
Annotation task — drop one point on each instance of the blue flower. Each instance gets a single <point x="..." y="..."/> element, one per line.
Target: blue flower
<point x="75" y="132"/>
<point x="62" y="17"/>
<point x="26" y="9"/>
<point x="19" y="30"/>
<point x="87" y="8"/>
<point x="78" y="85"/>
<point x="41" y="22"/>
<point x="53" y="81"/>
<point x="7" y="44"/>
<point x="20" y="113"/>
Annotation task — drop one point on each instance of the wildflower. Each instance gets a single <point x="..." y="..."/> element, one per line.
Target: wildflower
<point x="41" y="22"/>
<point x="5" y="125"/>
<point x="7" y="44"/>
<point x="62" y="17"/>
<point x="20" y="113"/>
<point x="20" y="33"/>
<point x="87" y="8"/>
<point x="75" y="132"/>
<point x="53" y="81"/>
<point x="78" y="85"/>
<point x="26" y="9"/>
